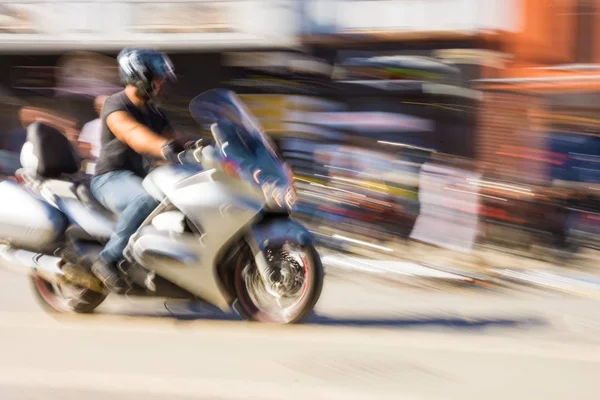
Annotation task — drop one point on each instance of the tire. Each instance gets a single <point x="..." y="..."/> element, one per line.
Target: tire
<point x="51" y="301"/>
<point x="311" y="291"/>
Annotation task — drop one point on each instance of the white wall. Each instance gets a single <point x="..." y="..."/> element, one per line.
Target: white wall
<point x="470" y="16"/>
<point x="112" y="24"/>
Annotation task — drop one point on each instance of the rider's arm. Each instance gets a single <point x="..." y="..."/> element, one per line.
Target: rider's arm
<point x="137" y="136"/>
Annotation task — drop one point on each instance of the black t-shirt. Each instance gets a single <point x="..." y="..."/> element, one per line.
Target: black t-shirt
<point x="116" y="155"/>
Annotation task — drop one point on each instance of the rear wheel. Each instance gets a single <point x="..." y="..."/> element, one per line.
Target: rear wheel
<point x="65" y="297"/>
<point x="296" y="281"/>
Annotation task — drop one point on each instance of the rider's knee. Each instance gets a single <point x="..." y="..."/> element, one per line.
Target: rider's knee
<point x="146" y="202"/>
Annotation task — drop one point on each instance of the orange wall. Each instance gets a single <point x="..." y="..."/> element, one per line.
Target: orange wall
<point x="597" y="34"/>
<point x="548" y="37"/>
<point x="547" y="32"/>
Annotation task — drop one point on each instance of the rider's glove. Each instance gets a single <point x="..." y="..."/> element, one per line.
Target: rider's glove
<point x="170" y="151"/>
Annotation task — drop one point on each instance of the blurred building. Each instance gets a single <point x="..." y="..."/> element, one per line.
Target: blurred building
<point x="540" y="116"/>
<point x="41" y="43"/>
<point x="423" y="33"/>
<point x="357" y="93"/>
<point x="536" y="62"/>
<point x="533" y="63"/>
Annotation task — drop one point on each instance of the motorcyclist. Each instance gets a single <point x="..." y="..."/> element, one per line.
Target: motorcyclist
<point x="132" y="128"/>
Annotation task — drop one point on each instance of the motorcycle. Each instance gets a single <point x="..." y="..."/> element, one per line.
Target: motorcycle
<point x="221" y="234"/>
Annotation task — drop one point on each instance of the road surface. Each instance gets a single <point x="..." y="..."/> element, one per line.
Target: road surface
<point x="367" y="340"/>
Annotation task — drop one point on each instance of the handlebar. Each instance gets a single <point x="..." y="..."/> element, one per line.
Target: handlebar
<point x="197" y="152"/>
<point x="194" y="144"/>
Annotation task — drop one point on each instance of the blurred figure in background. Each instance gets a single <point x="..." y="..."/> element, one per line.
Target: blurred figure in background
<point x="89" y="138"/>
<point x="13" y="141"/>
<point x="65" y="125"/>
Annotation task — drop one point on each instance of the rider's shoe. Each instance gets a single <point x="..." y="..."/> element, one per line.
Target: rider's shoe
<point x="82" y="276"/>
<point x="110" y="276"/>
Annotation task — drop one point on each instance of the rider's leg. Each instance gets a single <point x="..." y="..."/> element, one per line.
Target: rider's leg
<point x="123" y="193"/>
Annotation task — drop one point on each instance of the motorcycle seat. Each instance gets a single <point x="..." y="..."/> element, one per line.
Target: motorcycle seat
<point x="77" y="202"/>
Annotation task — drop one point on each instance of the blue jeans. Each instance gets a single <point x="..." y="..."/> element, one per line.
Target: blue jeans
<point x="122" y="193"/>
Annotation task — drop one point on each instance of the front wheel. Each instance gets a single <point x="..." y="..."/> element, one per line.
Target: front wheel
<point x="65" y="297"/>
<point x="296" y="280"/>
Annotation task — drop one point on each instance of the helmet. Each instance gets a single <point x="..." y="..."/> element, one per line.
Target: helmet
<point x="140" y="68"/>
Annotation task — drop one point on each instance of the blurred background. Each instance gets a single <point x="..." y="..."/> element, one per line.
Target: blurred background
<point x="441" y="148"/>
<point x="454" y="134"/>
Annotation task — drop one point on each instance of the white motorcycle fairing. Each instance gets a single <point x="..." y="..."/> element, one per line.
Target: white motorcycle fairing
<point x="219" y="208"/>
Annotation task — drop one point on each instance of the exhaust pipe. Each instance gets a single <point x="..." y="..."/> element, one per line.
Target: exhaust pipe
<point x="47" y="267"/>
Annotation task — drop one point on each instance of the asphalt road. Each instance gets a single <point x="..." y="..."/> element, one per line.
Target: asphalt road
<point x="367" y="340"/>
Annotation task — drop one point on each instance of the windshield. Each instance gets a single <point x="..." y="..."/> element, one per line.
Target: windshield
<point x="240" y="137"/>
